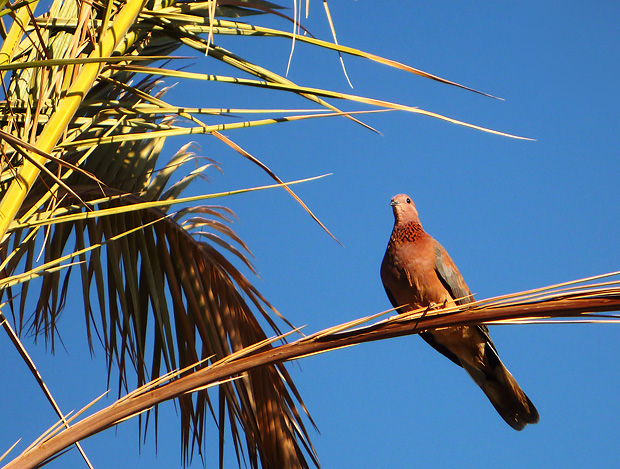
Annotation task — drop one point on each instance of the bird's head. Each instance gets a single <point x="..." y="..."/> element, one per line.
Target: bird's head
<point x="404" y="209"/>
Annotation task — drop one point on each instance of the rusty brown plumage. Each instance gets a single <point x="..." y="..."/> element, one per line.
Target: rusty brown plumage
<point x="417" y="272"/>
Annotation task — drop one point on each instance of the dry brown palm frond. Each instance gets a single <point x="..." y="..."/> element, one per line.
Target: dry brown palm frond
<point x="574" y="301"/>
<point x="210" y="315"/>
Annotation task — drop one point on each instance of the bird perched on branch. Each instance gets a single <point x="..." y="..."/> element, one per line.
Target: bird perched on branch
<point x="417" y="272"/>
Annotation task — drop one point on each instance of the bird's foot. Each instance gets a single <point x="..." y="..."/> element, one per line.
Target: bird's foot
<point x="432" y="306"/>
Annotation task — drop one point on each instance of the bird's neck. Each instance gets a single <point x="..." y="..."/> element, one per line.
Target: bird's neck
<point x="406" y="233"/>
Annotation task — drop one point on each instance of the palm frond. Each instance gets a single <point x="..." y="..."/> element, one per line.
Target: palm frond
<point x="210" y="316"/>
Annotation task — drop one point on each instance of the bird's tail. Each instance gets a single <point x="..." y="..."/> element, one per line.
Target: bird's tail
<point x="503" y="391"/>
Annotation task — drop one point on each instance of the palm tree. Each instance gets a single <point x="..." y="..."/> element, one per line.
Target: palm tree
<point x="84" y="128"/>
<point x="84" y="122"/>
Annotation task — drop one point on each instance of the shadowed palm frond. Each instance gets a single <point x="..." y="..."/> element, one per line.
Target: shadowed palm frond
<point x="207" y="313"/>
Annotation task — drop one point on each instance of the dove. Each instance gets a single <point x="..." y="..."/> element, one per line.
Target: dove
<point x="417" y="272"/>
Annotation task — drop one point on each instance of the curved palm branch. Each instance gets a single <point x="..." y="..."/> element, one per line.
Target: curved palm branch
<point x="586" y="300"/>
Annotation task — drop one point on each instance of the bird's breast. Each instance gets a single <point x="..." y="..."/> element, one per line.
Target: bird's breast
<point x="411" y="277"/>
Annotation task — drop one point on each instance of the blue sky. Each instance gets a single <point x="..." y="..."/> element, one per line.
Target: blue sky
<point x="513" y="215"/>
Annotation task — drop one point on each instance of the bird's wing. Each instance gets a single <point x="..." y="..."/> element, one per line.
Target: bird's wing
<point x="450" y="276"/>
<point x="452" y="280"/>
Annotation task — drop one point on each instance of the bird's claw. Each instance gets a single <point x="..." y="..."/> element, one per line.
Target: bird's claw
<point x="434" y="305"/>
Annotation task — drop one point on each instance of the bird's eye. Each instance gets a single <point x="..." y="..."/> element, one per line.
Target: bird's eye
<point x="408" y="200"/>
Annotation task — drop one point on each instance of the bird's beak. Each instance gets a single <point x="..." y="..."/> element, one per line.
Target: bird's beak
<point x="393" y="203"/>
